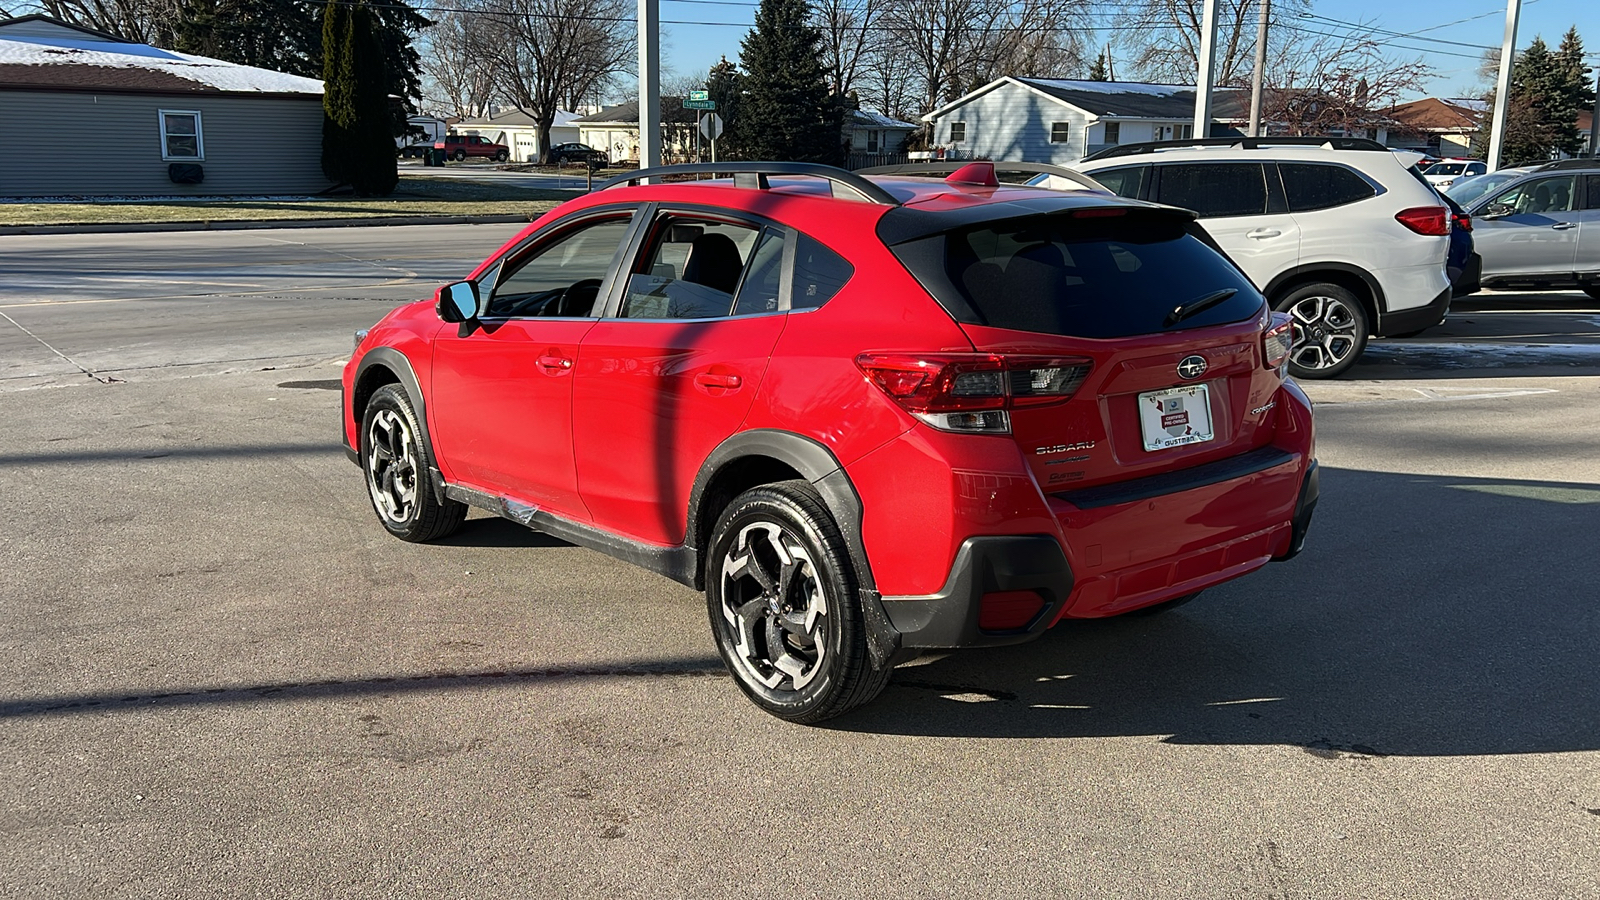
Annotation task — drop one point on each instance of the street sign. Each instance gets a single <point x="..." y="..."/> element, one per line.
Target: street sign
<point x="699" y="95"/>
<point x="699" y="104"/>
<point x="711" y="126"/>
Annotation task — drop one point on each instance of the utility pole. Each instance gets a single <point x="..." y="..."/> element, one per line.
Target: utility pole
<point x="649" y="83"/>
<point x="1208" y="58"/>
<point x="1502" y="90"/>
<point x="1594" y="118"/>
<point x="1261" y="68"/>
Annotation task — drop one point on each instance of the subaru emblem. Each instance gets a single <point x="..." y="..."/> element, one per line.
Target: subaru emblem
<point x="1192" y="367"/>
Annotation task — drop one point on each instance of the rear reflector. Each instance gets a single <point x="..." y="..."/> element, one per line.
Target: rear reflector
<point x="1008" y="610"/>
<point x="1277" y="340"/>
<point x="1429" y="220"/>
<point x="972" y="392"/>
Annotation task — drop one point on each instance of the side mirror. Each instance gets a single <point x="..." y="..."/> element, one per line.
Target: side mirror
<point x="1496" y="211"/>
<point x="457" y="302"/>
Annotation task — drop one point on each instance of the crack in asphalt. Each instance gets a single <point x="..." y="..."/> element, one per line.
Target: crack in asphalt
<point x="103" y="379"/>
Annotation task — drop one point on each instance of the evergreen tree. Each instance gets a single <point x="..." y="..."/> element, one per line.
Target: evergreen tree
<point x="1530" y="135"/>
<point x="1099" y="71"/>
<point x="786" y="113"/>
<point x="725" y="85"/>
<point x="357" y="143"/>
<point x="1572" y="93"/>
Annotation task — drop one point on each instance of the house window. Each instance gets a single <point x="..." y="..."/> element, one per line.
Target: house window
<point x="180" y="135"/>
<point x="1113" y="132"/>
<point x="958" y="132"/>
<point x="872" y="142"/>
<point x="1174" y="132"/>
<point x="1058" y="132"/>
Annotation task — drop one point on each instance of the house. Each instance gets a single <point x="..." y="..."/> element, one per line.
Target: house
<point x="615" y="130"/>
<point x="1050" y="120"/>
<point x="1442" y="128"/>
<point x="516" y="129"/>
<point x="130" y="119"/>
<point x="869" y="134"/>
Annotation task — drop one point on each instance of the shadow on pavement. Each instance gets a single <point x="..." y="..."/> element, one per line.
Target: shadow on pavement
<point x="1483" y="643"/>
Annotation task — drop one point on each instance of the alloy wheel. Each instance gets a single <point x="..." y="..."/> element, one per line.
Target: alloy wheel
<point x="392" y="466"/>
<point x="774" y="609"/>
<point x="1324" y="332"/>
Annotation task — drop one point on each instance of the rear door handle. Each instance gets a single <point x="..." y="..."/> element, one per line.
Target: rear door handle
<point x="1260" y="233"/>
<point x="714" y="380"/>
<point x="1563" y="226"/>
<point x="555" y="364"/>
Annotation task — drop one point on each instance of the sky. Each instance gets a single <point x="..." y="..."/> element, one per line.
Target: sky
<point x="694" y="48"/>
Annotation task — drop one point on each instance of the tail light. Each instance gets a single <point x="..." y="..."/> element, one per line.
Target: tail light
<point x="972" y="392"/>
<point x="1462" y="220"/>
<point x="1430" y="220"/>
<point x="1277" y="340"/>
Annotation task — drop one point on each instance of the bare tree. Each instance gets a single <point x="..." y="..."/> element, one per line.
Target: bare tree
<point x="456" y="78"/>
<point x="1164" y="44"/>
<point x="954" y="46"/>
<point x="145" y="21"/>
<point x="849" y="36"/>
<point x="1338" y="83"/>
<point x="545" y="52"/>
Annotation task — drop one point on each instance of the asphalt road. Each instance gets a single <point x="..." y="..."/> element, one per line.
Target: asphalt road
<point x="220" y="678"/>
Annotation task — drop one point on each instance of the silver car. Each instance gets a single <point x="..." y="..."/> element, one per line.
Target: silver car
<point x="1540" y="230"/>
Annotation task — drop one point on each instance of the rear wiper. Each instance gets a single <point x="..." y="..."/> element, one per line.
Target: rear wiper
<point x="1200" y="305"/>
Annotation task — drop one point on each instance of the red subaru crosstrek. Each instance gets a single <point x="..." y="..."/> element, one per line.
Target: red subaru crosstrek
<point x="867" y="415"/>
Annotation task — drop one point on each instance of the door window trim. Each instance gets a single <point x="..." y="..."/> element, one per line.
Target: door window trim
<point x="644" y="226"/>
<point x="556" y="231"/>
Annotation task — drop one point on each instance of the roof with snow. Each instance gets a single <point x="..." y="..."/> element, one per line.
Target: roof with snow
<point x="1126" y="99"/>
<point x="517" y="117"/>
<point x="59" y="56"/>
<point x="866" y="118"/>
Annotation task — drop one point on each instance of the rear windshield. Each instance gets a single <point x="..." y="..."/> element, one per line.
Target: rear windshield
<point x="1093" y="278"/>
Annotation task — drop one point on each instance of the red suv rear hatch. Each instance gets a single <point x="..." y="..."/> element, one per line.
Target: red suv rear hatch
<point x="1115" y="342"/>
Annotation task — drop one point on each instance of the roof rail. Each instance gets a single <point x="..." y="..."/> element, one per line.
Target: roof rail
<point x="947" y="168"/>
<point x="1243" y="143"/>
<point x="1578" y="162"/>
<point x="754" y="175"/>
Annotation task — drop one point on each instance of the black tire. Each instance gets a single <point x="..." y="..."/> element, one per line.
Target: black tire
<point x="502" y="156"/>
<point x="1593" y="290"/>
<point x="781" y="597"/>
<point x="1159" y="608"/>
<point x="461" y="156"/>
<point x="1330" y="329"/>
<point x="395" y="460"/>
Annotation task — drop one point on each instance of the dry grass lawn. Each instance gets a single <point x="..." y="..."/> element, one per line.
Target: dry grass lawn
<point x="416" y="196"/>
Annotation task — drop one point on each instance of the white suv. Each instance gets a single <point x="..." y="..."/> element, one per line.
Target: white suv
<point x="1336" y="231"/>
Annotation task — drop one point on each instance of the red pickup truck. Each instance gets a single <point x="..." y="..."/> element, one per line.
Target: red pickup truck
<point x="460" y="146"/>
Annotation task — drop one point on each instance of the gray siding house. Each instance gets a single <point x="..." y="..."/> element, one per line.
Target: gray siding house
<point x="1049" y="120"/>
<point x="108" y="117"/>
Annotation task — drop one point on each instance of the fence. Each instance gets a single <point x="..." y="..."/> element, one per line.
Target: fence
<point x="867" y="160"/>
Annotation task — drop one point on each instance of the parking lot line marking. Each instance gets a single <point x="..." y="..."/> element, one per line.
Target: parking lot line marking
<point x="1251" y="700"/>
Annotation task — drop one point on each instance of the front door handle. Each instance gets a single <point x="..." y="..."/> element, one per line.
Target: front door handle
<point x="1263" y="233"/>
<point x="555" y="364"/>
<point x="714" y="380"/>
<point x="1563" y="226"/>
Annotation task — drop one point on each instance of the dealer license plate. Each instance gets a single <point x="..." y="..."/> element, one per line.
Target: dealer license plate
<point x="1176" y="416"/>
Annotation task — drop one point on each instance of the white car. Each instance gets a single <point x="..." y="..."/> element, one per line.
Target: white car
<point x="1443" y="174"/>
<point x="1337" y="232"/>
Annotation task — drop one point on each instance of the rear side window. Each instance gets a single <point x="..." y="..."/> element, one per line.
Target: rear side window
<point x="819" y="273"/>
<point x="1056" y="276"/>
<point x="1311" y="186"/>
<point x="1592" y="183"/>
<point x="1215" y="189"/>
<point x="1125" y="182"/>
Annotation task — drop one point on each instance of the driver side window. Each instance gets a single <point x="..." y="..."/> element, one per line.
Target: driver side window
<point x="562" y="277"/>
<point x="1546" y="195"/>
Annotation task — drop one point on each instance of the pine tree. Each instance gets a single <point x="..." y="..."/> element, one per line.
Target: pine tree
<point x="1099" y="71"/>
<point x="1571" y="93"/>
<point x="725" y="86"/>
<point x="357" y="144"/>
<point x="786" y="112"/>
<point x="1530" y="135"/>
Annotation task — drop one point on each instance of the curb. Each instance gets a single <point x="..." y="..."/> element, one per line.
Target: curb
<point x="254" y="224"/>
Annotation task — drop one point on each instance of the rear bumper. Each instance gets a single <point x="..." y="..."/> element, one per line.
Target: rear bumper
<point x="1405" y="321"/>
<point x="1208" y="515"/>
